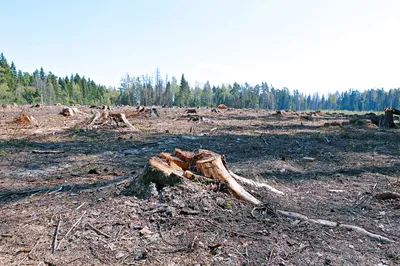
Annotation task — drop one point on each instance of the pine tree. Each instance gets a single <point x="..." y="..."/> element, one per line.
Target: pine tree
<point x="184" y="92"/>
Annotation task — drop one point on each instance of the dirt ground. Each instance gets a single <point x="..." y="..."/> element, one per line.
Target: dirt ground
<point x="63" y="174"/>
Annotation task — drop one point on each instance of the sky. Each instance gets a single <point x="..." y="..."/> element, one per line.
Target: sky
<point x="308" y="45"/>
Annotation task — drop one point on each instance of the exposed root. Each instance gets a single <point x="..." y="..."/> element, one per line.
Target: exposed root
<point x="335" y="224"/>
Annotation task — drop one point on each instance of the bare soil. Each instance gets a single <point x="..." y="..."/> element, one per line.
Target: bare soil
<point x="63" y="173"/>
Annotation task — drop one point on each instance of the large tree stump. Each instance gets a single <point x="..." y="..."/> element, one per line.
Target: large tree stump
<point x="171" y="169"/>
<point x="116" y="117"/>
<point x="25" y="119"/>
<point x="387" y="121"/>
<point x="157" y="172"/>
<point x="168" y="169"/>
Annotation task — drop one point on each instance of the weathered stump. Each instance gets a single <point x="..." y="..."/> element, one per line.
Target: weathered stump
<point x="157" y="172"/>
<point x="386" y="121"/>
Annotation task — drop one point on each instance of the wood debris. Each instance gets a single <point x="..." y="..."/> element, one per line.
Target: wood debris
<point x="191" y="111"/>
<point x="70" y="111"/>
<point x="104" y="117"/>
<point x="25" y="119"/>
<point x="222" y="107"/>
<point x="152" y="112"/>
<point x="67" y="112"/>
<point x="388" y="195"/>
<point x="335" y="224"/>
<point x="309" y="159"/>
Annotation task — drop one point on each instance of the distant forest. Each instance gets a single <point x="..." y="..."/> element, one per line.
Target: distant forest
<point x="46" y="88"/>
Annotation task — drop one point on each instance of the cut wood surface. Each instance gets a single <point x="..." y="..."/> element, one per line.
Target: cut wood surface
<point x="211" y="166"/>
<point x="25" y="119"/>
<point x="185" y="156"/>
<point x="175" y="160"/>
<point x="167" y="169"/>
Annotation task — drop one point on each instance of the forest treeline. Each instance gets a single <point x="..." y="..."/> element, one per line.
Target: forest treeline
<point x="46" y="88"/>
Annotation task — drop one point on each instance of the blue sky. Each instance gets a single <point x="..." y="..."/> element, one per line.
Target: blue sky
<point x="309" y="45"/>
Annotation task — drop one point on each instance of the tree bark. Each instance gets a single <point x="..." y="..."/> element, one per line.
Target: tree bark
<point x="158" y="172"/>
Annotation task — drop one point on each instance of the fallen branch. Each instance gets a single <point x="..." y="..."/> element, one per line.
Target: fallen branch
<point x="46" y="152"/>
<point x="66" y="187"/>
<point x="252" y="183"/>
<point x="125" y="120"/>
<point x="387" y="195"/>
<point x="30" y="252"/>
<point x="98" y="231"/>
<point x="70" y="230"/>
<point x="95" y="117"/>
<point x="212" y="166"/>
<point x="335" y="224"/>
<point x="336" y="190"/>
<point x="54" y="244"/>
<point x="80" y="206"/>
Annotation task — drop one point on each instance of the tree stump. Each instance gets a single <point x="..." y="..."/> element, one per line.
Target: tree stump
<point x="387" y="121"/>
<point x="212" y="166"/>
<point x="116" y="117"/>
<point x="67" y="112"/>
<point x="157" y="172"/>
<point x="168" y="170"/>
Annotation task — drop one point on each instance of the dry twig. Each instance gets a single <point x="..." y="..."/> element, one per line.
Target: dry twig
<point x="98" y="231"/>
<point x="54" y="245"/>
<point x="70" y="230"/>
<point x="46" y="152"/>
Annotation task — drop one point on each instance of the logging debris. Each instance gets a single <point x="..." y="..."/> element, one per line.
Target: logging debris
<point x="151" y="112"/>
<point x="191" y="111"/>
<point x="349" y="227"/>
<point x="104" y="117"/>
<point x="70" y="111"/>
<point x="222" y="107"/>
<point x="25" y="119"/>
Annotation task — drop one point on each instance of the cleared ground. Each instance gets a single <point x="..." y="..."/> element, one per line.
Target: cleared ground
<point x="62" y="172"/>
